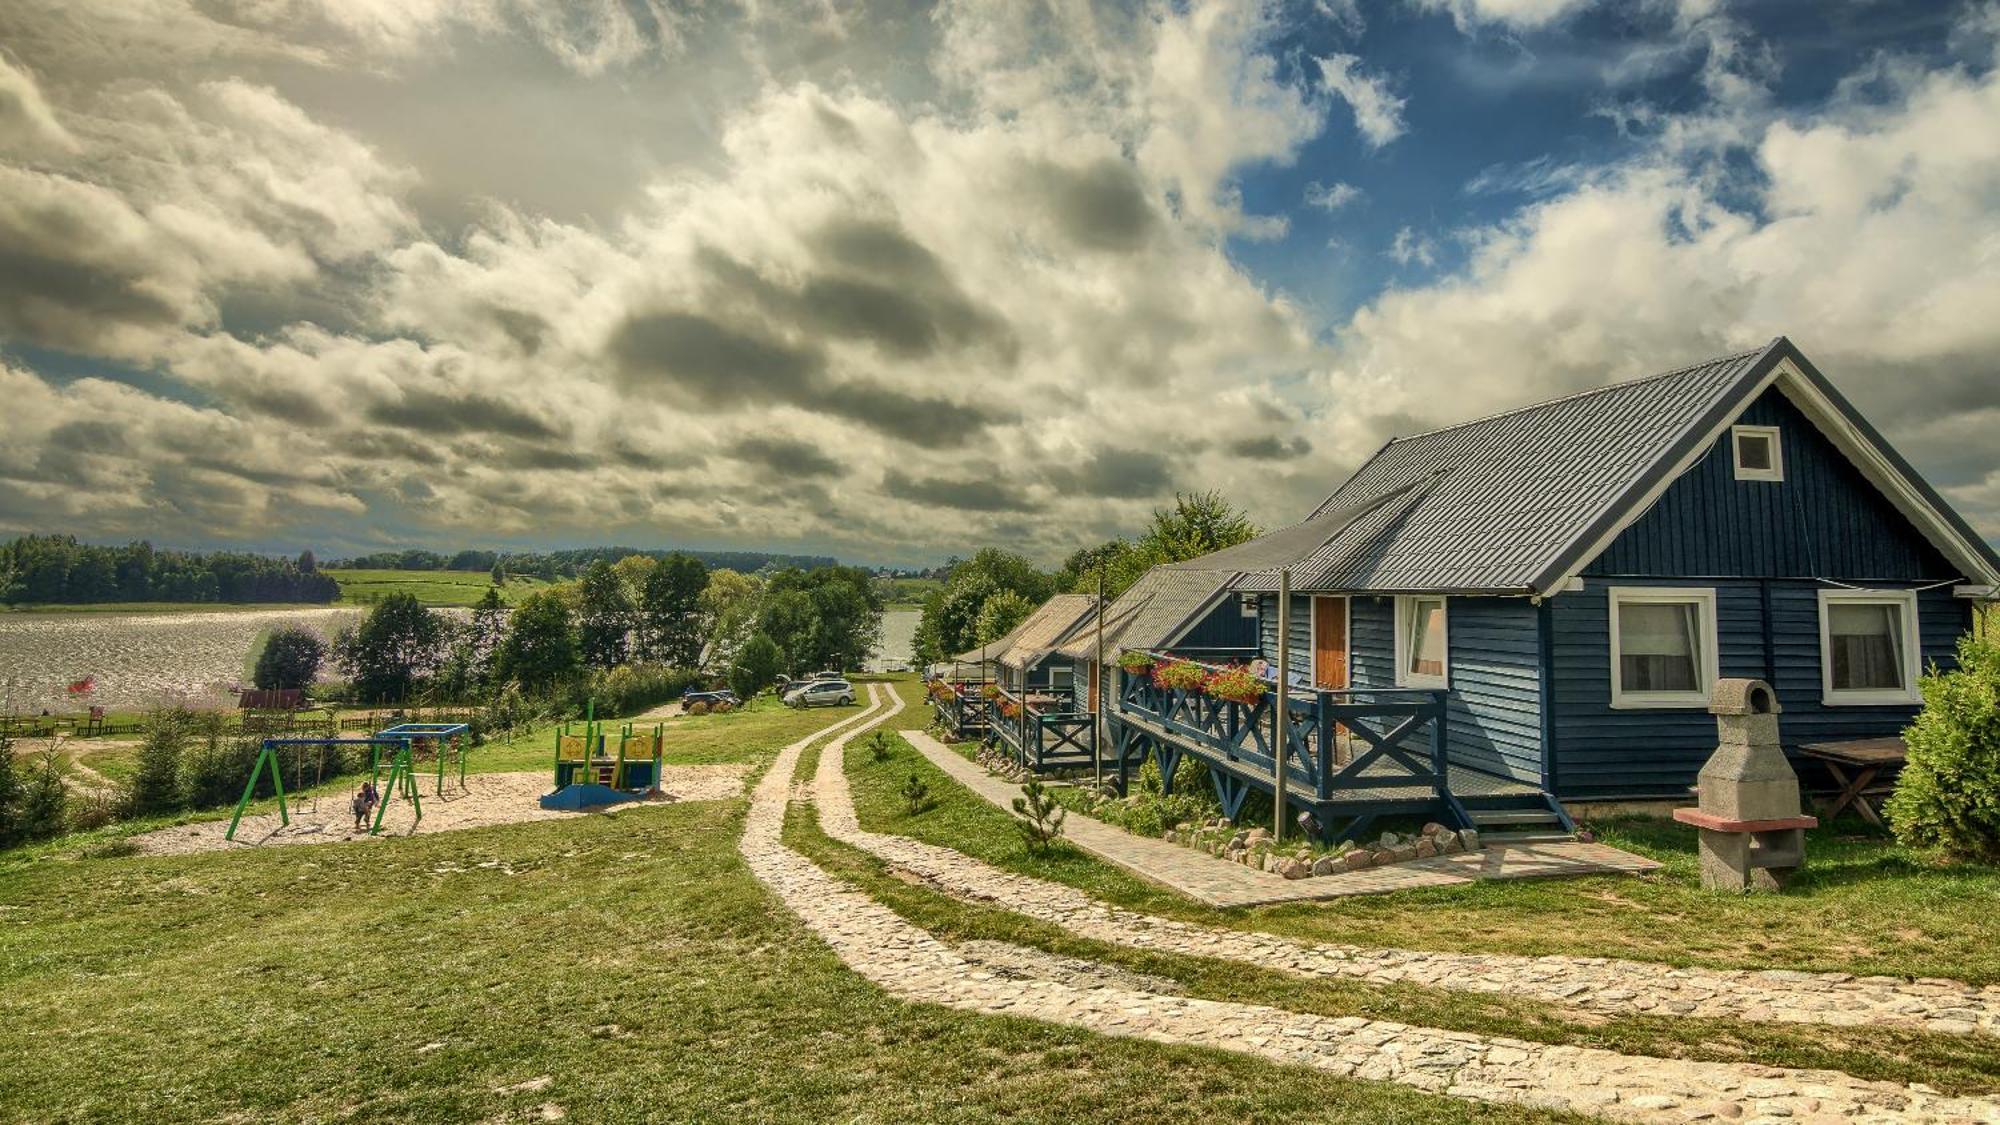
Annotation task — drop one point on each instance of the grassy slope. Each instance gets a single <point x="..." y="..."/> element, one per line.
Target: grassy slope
<point x="1961" y="1063"/>
<point x="1863" y="905"/>
<point x="432" y="587"/>
<point x="631" y="962"/>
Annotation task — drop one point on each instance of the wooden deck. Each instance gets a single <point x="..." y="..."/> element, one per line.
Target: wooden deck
<point x="1349" y="756"/>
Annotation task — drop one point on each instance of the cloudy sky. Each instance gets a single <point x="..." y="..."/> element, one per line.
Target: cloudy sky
<point x="892" y="282"/>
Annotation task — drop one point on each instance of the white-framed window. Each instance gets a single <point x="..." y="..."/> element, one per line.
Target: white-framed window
<point x="1663" y="646"/>
<point x="1868" y="650"/>
<point x="1061" y="677"/>
<point x="1423" y="642"/>
<point x="1757" y="453"/>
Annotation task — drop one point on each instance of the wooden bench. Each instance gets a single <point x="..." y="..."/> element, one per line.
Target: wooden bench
<point x="1867" y="758"/>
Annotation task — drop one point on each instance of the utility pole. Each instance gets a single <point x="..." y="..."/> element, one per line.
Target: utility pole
<point x="1281" y="722"/>
<point x="1096" y="688"/>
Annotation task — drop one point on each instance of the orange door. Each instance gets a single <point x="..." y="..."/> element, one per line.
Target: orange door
<point x="1330" y="643"/>
<point x="1095" y="675"/>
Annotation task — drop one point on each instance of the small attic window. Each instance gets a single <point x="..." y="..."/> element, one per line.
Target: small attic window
<point x="1758" y="455"/>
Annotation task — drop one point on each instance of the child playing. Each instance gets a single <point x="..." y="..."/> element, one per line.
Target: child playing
<point x="364" y="805"/>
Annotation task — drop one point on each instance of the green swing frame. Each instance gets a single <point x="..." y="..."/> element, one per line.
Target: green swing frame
<point x="402" y="768"/>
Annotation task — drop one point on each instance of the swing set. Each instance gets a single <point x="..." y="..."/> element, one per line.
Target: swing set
<point x="433" y="745"/>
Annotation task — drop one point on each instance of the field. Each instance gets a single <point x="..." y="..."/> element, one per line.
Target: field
<point x="631" y="968"/>
<point x="431" y="587"/>
<point x="906" y="593"/>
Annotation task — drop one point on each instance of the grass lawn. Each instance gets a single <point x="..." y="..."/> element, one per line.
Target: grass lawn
<point x="616" y="968"/>
<point x="1962" y="1063"/>
<point x="432" y="587"/>
<point x="1862" y="905"/>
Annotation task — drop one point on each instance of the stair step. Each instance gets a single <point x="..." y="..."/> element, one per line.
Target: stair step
<point x="1484" y="817"/>
<point x="1489" y="839"/>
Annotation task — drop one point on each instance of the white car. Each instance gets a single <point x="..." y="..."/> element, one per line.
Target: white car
<point x="821" y="693"/>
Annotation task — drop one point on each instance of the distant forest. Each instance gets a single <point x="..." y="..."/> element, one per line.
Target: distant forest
<point x="58" y="570"/>
<point x="553" y="565"/>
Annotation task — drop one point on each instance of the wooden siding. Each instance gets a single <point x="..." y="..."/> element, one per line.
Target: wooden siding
<point x="1222" y="631"/>
<point x="1824" y="520"/>
<point x="1601" y="752"/>
<point x="1493" y="717"/>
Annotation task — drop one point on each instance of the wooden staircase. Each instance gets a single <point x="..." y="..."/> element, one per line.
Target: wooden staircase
<point x="1527" y="818"/>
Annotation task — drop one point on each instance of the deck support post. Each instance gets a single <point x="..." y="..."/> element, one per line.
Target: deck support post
<point x="1281" y="722"/>
<point x="1096" y="688"/>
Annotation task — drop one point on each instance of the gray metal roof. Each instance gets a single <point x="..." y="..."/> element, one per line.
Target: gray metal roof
<point x="1487" y="505"/>
<point x="1513" y="503"/>
<point x="1044" y="628"/>
<point x="1156" y="608"/>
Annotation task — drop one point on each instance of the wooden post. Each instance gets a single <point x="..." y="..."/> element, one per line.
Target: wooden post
<point x="1096" y="687"/>
<point x="1281" y="722"/>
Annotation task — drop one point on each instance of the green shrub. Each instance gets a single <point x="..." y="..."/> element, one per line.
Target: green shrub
<point x="10" y="795"/>
<point x="631" y="688"/>
<point x="290" y="659"/>
<point x="215" y="764"/>
<point x="156" y="786"/>
<point x="44" y="800"/>
<point x="1949" y="793"/>
<point x="878" y="746"/>
<point x="916" y="794"/>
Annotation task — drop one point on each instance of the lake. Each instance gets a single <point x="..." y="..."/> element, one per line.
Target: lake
<point x="140" y="660"/>
<point x="143" y="659"/>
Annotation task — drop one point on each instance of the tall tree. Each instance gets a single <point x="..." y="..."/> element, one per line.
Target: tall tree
<point x="670" y="611"/>
<point x="950" y="622"/>
<point x="728" y="613"/>
<point x="392" y="650"/>
<point x="756" y="667"/>
<point x="604" y="616"/>
<point x="290" y="659"/>
<point x="541" y="651"/>
<point x="1000" y="613"/>
<point x="1198" y="523"/>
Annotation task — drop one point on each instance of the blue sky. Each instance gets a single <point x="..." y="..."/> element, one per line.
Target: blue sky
<point x="894" y="282"/>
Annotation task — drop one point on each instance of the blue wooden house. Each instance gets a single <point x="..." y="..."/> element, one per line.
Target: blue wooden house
<point x="1493" y="618"/>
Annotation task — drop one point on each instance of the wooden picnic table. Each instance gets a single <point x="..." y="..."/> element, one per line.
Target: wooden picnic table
<point x="1867" y="757"/>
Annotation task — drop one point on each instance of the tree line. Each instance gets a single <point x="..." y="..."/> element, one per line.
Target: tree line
<point x="573" y="563"/>
<point x="58" y="570"/>
<point x="985" y="596"/>
<point x="629" y="633"/>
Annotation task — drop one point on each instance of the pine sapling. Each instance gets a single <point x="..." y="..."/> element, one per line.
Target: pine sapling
<point x="916" y="794"/>
<point x="1041" y="817"/>
<point x="878" y="746"/>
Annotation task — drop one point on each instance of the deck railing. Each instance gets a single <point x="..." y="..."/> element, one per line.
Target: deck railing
<point x="964" y="710"/>
<point x="1340" y="743"/>
<point x="1047" y="732"/>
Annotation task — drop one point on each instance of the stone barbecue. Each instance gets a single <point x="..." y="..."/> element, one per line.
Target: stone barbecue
<point x="1752" y="825"/>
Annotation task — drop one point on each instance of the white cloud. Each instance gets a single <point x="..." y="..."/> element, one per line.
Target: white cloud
<point x="1870" y="233"/>
<point x="1330" y="197"/>
<point x="1517" y="15"/>
<point x="26" y="121"/>
<point x="1378" y="112"/>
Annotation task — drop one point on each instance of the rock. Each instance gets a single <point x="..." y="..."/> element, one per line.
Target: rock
<point x="1405" y="853"/>
<point x="1293" y="869"/>
<point x="1357" y="859"/>
<point x="1470" y="838"/>
<point x="1426" y="848"/>
<point x="1446" y="841"/>
<point x="1326" y="865"/>
<point x="1380" y="856"/>
<point x="1585" y="836"/>
<point x="1389" y="840"/>
<point x="1168" y="836"/>
<point x="1183" y="826"/>
<point x="1260" y="834"/>
<point x="1223" y="822"/>
<point x="1432" y="828"/>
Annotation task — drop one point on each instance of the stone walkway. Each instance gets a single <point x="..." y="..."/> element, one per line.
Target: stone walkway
<point x="1596" y="984"/>
<point x="1207" y="879"/>
<point x="913" y="964"/>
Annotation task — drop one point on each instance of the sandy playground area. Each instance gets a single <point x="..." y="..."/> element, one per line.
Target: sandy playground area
<point x="490" y="798"/>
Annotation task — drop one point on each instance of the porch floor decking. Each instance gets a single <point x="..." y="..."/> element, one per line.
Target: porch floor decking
<point x="1463" y="781"/>
<point x="1214" y="882"/>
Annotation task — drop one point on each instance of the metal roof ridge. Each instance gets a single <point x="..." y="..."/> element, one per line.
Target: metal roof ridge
<point x="1622" y="384"/>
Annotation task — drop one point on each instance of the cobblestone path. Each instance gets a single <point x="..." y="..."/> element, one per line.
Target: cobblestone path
<point x="1593" y="983"/>
<point x="911" y="963"/>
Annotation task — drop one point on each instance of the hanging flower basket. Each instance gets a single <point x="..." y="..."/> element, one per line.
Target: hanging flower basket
<point x="1136" y="661"/>
<point x="1235" y="683"/>
<point x="1178" y="675"/>
<point x="990" y="691"/>
<point x="1010" y="709"/>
